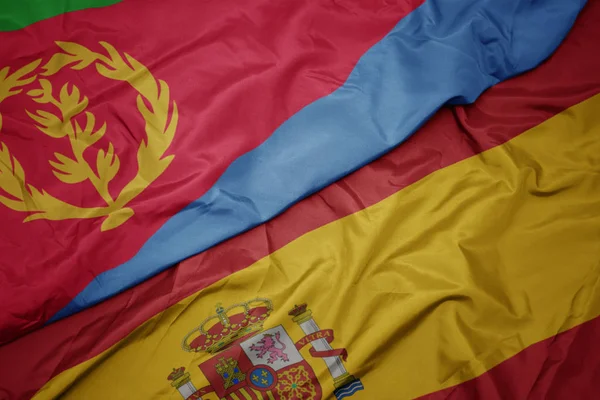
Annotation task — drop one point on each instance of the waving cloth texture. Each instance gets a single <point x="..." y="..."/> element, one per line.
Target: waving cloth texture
<point x="453" y="134"/>
<point x="430" y="287"/>
<point x="258" y="59"/>
<point x="141" y="133"/>
<point x="442" y="52"/>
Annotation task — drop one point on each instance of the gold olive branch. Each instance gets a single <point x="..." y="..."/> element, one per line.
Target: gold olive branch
<point x="154" y="104"/>
<point x="27" y="198"/>
<point x="8" y="83"/>
<point x="70" y="104"/>
<point x="19" y="195"/>
<point x="23" y="197"/>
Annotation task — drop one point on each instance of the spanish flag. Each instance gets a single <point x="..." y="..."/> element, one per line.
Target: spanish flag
<point x="222" y="182"/>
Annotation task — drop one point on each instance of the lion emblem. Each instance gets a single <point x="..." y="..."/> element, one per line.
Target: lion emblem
<point x="272" y="345"/>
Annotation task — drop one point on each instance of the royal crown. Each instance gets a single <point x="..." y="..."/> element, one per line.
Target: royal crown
<point x="228" y="325"/>
<point x="300" y="313"/>
<point x="298" y="310"/>
<point x="176" y="374"/>
<point x="179" y="377"/>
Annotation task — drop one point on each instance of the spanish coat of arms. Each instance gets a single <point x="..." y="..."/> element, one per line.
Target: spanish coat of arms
<point x="251" y="363"/>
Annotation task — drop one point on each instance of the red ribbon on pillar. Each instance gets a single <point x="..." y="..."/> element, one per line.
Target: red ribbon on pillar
<point x="201" y="392"/>
<point x="326" y="334"/>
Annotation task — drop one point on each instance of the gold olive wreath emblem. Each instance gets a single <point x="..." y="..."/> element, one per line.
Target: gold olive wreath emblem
<point x="160" y="117"/>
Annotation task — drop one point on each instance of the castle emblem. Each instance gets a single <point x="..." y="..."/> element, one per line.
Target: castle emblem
<point x="230" y="372"/>
<point x="249" y="362"/>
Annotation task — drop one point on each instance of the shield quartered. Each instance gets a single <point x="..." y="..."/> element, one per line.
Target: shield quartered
<point x="264" y="366"/>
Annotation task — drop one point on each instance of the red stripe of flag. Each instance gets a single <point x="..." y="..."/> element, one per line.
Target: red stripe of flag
<point x="236" y="69"/>
<point x="566" y="366"/>
<point x="505" y="111"/>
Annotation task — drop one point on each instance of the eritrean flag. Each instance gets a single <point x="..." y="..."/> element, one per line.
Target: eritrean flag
<point x="316" y="199"/>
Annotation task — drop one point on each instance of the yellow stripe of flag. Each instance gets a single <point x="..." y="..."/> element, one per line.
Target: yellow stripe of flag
<point x="245" y="394"/>
<point x="426" y="289"/>
<point x="258" y="394"/>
